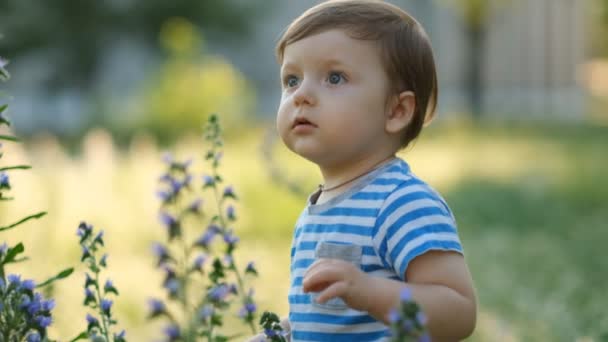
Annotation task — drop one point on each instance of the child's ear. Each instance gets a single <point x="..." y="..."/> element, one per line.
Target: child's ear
<point x="401" y="111"/>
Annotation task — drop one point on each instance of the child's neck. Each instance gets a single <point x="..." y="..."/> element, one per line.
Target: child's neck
<point x="339" y="180"/>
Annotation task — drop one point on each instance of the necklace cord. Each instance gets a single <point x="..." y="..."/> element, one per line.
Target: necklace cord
<point x="375" y="167"/>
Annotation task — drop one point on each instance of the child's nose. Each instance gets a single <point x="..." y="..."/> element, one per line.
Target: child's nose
<point x="304" y="95"/>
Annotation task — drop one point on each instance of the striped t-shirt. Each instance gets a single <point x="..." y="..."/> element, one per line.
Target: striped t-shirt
<point x="381" y="224"/>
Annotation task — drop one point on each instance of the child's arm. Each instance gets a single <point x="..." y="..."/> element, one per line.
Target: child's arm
<point x="440" y="283"/>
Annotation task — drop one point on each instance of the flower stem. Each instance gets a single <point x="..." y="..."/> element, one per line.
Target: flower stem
<point x="101" y="313"/>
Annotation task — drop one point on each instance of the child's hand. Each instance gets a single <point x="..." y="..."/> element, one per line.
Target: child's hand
<point x="337" y="278"/>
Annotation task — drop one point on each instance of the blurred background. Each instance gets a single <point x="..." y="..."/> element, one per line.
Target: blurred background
<point x="100" y="89"/>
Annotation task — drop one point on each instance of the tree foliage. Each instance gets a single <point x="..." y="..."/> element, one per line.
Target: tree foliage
<point x="72" y="34"/>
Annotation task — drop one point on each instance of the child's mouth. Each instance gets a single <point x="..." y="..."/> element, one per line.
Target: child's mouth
<point x="302" y="122"/>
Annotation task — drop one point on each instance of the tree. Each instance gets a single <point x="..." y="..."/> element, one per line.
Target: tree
<point x="71" y="34"/>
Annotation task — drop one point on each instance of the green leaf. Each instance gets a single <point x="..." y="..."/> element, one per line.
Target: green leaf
<point x="9" y="138"/>
<point x="13" y="252"/>
<point x="18" y="167"/>
<point x="62" y="275"/>
<point x="31" y="217"/>
<point x="83" y="335"/>
<point x="3" y="108"/>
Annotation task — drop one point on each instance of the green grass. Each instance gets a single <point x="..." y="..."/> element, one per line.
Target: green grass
<point x="536" y="240"/>
<point x="531" y="202"/>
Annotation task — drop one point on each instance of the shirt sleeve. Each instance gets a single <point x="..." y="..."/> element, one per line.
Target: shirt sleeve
<point x="413" y="220"/>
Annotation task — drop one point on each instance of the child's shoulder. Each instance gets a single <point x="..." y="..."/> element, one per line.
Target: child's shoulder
<point x="408" y="188"/>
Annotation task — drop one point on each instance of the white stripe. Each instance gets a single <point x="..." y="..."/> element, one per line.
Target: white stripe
<point x="378" y="188"/>
<point x="361" y="204"/>
<point x="342" y="220"/>
<point x="334" y="328"/>
<point x="395" y="175"/>
<point x="336" y="236"/>
<point x="407" y="208"/>
<point x="415" y="224"/>
<point x="440" y="237"/>
<point x="306" y="308"/>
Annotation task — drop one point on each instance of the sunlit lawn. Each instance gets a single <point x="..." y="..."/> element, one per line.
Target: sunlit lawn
<point x="531" y="203"/>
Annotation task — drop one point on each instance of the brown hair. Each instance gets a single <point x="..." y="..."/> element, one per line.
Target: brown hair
<point x="406" y="48"/>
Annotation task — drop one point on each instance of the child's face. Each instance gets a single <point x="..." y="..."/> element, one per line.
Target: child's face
<point x="333" y="99"/>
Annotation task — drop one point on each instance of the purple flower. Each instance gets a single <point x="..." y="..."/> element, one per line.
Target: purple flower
<point x="92" y="321"/>
<point x="120" y="336"/>
<point x="229" y="192"/>
<point x="3" y="62"/>
<point x="43" y="321"/>
<point x="48" y="305"/>
<point x="4" y="181"/>
<point x="3" y="248"/>
<point x="104" y="260"/>
<point x="407" y="325"/>
<point x="109" y="287"/>
<point x="161" y="253"/>
<point x="14" y="279"/>
<point x="84" y="230"/>
<point x="406" y="294"/>
<point x="164" y="196"/>
<point x="195" y="206"/>
<point x="106" y="306"/>
<point x="167" y="219"/>
<point x="208" y="180"/>
<point x="219" y="293"/>
<point x="421" y="318"/>
<point x="85" y="253"/>
<point x="199" y="262"/>
<point x="228" y="260"/>
<point x="205" y="312"/>
<point x="230" y="239"/>
<point x="251" y="268"/>
<point x="394" y="316"/>
<point x="230" y="213"/>
<point x="33" y="337"/>
<point x="205" y="239"/>
<point x="89" y="296"/>
<point x="157" y="307"/>
<point x="172" y="285"/>
<point x="99" y="238"/>
<point x="247" y="309"/>
<point x="28" y="285"/>
<point x="172" y="332"/>
<point x="424" y="338"/>
<point x="88" y="280"/>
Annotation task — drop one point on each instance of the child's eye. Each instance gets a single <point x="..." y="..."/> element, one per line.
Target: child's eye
<point x="335" y="78"/>
<point x="290" y="81"/>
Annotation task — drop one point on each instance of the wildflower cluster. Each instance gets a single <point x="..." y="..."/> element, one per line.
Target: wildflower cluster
<point x="271" y="323"/>
<point x="96" y="297"/>
<point x="200" y="273"/>
<point x="25" y="314"/>
<point x="408" y="322"/>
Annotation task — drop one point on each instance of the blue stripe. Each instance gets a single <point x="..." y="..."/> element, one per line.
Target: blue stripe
<point x="335" y="228"/>
<point x="388" y="181"/>
<point x="312" y="245"/>
<point x="424" y="230"/>
<point x="336" y="337"/>
<point x="428" y="246"/>
<point x="401" y="201"/>
<point x="408" y="217"/>
<point x="354" y="212"/>
<point x="370" y="195"/>
<point x="299" y="299"/>
<point x="298" y="317"/>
